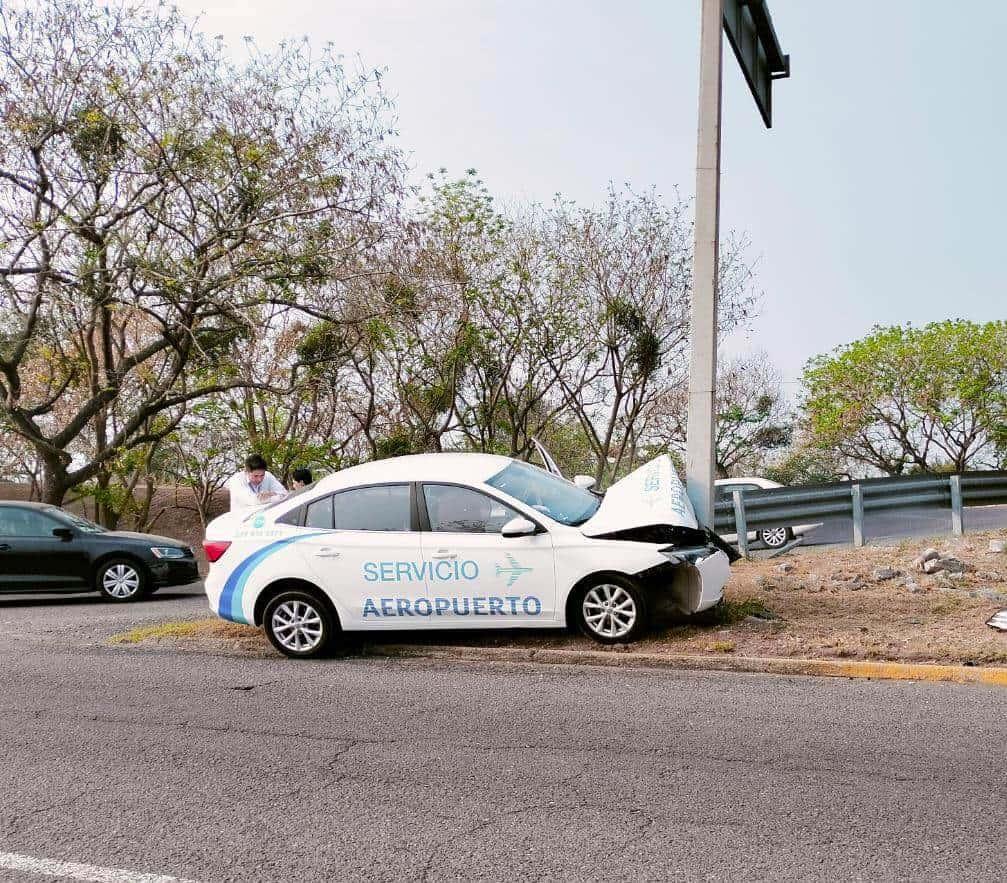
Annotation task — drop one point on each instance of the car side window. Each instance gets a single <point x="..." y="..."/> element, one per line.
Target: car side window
<point x="453" y="509"/>
<point x="18" y="522"/>
<point x="380" y="507"/>
<point x="318" y="514"/>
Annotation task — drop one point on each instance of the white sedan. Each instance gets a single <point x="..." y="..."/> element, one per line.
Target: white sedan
<point x="773" y="537"/>
<point x="463" y="541"/>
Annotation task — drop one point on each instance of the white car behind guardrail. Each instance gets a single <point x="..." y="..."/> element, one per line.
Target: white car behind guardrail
<point x="772" y="537"/>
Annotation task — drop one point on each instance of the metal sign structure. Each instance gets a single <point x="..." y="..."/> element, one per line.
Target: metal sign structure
<point x="750" y="32"/>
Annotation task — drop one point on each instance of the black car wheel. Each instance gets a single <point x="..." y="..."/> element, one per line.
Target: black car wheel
<point x="611" y="610"/>
<point x="121" y="579"/>
<point x="776" y="537"/>
<point x="299" y="625"/>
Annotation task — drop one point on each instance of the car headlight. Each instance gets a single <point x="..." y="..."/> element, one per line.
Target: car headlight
<point x="167" y="552"/>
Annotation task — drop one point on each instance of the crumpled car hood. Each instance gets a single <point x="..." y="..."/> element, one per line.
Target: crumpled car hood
<point x="652" y="495"/>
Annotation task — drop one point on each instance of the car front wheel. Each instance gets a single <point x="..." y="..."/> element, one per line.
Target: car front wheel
<point x="121" y="580"/>
<point x="776" y="537"/>
<point x="299" y="625"/>
<point x="611" y="610"/>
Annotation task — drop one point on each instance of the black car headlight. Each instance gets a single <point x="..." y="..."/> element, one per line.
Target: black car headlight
<point x="169" y="552"/>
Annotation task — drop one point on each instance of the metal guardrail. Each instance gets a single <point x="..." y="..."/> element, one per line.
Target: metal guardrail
<point x="788" y="506"/>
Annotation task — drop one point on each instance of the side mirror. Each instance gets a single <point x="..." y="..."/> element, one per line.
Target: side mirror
<point x="63" y="533"/>
<point x="518" y="527"/>
<point x="584" y="481"/>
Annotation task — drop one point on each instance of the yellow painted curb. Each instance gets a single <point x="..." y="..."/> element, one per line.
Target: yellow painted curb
<point x="831" y="668"/>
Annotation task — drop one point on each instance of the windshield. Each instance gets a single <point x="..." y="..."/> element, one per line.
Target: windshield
<point x="78" y="521"/>
<point x="556" y="497"/>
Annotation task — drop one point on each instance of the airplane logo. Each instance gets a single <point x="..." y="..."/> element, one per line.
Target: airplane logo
<point x="514" y="570"/>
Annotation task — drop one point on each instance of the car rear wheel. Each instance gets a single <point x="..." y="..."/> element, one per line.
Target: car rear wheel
<point x="611" y="610"/>
<point x="299" y="625"/>
<point x="776" y="537"/>
<point x="121" y="579"/>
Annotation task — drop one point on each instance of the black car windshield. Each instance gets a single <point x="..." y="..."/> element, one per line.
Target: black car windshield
<point x="78" y="521"/>
<point x="556" y="497"/>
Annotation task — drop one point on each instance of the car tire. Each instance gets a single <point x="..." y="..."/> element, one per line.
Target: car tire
<point x="299" y="625"/>
<point x="611" y="610"/>
<point x="121" y="580"/>
<point x="776" y="537"/>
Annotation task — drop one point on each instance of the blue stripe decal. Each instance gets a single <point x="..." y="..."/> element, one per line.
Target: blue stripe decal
<point x="230" y="605"/>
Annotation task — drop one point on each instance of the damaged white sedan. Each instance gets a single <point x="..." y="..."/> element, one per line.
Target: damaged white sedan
<point x="440" y="541"/>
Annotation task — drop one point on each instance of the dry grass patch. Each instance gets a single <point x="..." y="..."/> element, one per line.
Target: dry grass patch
<point x="215" y="634"/>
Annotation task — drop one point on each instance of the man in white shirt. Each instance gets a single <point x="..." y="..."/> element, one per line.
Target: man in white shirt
<point x="254" y="486"/>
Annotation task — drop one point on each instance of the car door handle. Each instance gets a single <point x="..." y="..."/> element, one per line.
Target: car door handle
<point x="327" y="552"/>
<point x="444" y="555"/>
<point x="4" y="547"/>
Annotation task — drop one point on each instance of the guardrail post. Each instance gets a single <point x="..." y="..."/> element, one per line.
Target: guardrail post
<point x="740" y="524"/>
<point x="956" y="505"/>
<point x="858" y="515"/>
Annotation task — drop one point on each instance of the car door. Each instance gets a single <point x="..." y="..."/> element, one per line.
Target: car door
<point x="33" y="559"/>
<point x="366" y="554"/>
<point x="476" y="577"/>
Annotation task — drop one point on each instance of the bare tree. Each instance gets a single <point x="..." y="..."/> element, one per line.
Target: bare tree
<point x="753" y="416"/>
<point x="631" y="261"/>
<point x="153" y="198"/>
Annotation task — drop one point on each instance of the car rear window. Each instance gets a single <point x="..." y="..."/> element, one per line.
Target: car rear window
<point x="318" y="514"/>
<point x="380" y="507"/>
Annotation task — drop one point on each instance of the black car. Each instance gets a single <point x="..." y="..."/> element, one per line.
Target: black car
<point x="46" y="549"/>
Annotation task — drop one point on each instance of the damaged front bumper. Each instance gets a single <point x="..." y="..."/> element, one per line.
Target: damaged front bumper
<point x="692" y="580"/>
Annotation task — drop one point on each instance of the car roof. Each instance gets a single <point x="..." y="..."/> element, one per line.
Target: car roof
<point x="464" y="468"/>
<point x="25" y="504"/>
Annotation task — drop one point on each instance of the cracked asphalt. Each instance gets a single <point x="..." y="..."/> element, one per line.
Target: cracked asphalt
<point x="215" y="768"/>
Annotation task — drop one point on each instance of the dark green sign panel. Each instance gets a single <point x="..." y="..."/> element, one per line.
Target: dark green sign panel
<point x="750" y="32"/>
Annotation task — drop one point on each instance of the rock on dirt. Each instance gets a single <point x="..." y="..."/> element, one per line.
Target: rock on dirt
<point x="848" y="579"/>
<point x="998" y="545"/>
<point x="913" y="587"/>
<point x="925" y="556"/>
<point x="786" y="567"/>
<point x="990" y="595"/>
<point x="759" y="622"/>
<point x="948" y="565"/>
<point x="880" y="574"/>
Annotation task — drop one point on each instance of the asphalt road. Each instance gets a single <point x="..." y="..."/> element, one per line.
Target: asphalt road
<point x="213" y="768"/>
<point x="921" y="522"/>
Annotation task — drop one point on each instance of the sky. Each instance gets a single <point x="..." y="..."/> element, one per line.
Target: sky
<point x="876" y="198"/>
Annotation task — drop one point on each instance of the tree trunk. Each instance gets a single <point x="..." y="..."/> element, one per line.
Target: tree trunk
<point x="55" y="481"/>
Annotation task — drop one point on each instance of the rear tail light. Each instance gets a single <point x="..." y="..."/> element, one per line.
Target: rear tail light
<point x="215" y="549"/>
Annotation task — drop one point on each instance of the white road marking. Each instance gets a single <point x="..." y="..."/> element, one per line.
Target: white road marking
<point x="75" y="871"/>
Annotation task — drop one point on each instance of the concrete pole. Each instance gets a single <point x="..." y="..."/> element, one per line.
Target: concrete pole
<point x="700" y="453"/>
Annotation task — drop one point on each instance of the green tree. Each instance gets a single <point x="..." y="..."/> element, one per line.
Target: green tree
<point x="912" y="399"/>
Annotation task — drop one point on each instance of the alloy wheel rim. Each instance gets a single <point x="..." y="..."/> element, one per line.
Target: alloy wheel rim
<point x="609" y="611"/>
<point x="297" y="626"/>
<point x="775" y="536"/>
<point x="121" y="581"/>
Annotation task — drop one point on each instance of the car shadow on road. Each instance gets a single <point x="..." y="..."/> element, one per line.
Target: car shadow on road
<point x="85" y="599"/>
<point x="663" y="619"/>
